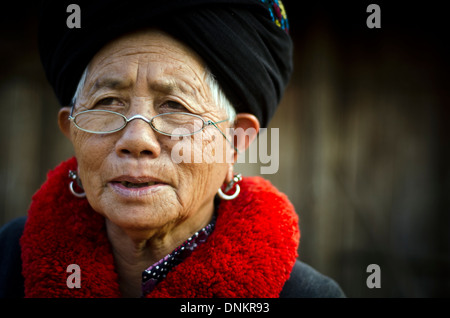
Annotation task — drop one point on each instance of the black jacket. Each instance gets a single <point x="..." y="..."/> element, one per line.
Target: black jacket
<point x="305" y="282"/>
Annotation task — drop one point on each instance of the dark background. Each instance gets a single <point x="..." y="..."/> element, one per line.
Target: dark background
<point x="363" y="139"/>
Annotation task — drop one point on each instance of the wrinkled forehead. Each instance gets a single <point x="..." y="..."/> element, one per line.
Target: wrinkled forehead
<point x="148" y="41"/>
<point x="150" y="48"/>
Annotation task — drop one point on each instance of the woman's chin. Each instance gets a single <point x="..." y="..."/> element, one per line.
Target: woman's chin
<point x="139" y="221"/>
<point x="138" y="215"/>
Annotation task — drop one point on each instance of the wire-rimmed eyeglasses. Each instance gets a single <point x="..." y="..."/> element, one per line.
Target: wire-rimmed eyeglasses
<point x="173" y="124"/>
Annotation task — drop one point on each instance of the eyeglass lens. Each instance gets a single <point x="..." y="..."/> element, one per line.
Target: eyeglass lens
<point x="174" y="124"/>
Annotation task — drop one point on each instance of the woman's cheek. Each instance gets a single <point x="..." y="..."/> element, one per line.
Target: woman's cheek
<point x="91" y="148"/>
<point x="199" y="183"/>
<point x="91" y="152"/>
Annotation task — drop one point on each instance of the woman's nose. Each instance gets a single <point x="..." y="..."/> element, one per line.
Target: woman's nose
<point x="138" y="140"/>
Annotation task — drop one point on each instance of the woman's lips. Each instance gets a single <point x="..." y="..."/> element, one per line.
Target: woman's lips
<point x="136" y="187"/>
<point x="129" y="185"/>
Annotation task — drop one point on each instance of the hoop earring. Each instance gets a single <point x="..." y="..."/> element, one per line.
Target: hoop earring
<point x="236" y="179"/>
<point x="73" y="175"/>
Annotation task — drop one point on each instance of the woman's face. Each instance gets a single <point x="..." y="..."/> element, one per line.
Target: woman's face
<point x="129" y="176"/>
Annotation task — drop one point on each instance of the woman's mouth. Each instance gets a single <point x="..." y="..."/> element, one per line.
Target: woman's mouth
<point x="135" y="187"/>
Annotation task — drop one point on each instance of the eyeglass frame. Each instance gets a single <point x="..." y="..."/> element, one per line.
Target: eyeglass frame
<point x="206" y="123"/>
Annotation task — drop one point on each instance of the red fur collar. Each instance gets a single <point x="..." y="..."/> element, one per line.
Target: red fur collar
<point x="250" y="253"/>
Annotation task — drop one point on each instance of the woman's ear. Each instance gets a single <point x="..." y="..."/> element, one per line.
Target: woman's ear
<point x="63" y="121"/>
<point x="246" y="128"/>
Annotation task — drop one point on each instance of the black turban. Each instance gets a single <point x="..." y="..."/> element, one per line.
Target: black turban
<point x="245" y="43"/>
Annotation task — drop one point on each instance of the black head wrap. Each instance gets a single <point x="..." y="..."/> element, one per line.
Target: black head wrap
<point x="245" y="43"/>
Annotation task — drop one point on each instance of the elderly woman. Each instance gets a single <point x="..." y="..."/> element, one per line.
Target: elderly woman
<point x="158" y="99"/>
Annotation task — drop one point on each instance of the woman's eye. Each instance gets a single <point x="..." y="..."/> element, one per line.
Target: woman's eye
<point x="173" y="106"/>
<point x="109" y="101"/>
